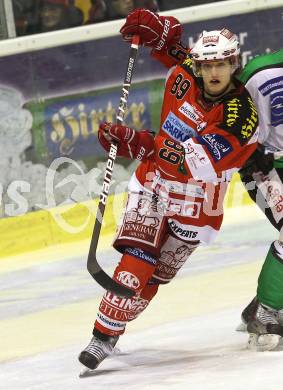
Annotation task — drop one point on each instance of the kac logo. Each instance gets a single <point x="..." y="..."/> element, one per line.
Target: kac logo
<point x="128" y="279"/>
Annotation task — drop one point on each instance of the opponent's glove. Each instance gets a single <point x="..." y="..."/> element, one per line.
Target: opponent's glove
<point x="264" y="161"/>
<point x="158" y="32"/>
<point x="132" y="144"/>
<point x="258" y="162"/>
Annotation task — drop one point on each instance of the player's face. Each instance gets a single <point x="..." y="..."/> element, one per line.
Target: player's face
<point x="123" y="7"/>
<point x="51" y="16"/>
<point x="216" y="76"/>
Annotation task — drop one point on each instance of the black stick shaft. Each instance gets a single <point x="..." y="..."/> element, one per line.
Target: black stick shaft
<point x="92" y="264"/>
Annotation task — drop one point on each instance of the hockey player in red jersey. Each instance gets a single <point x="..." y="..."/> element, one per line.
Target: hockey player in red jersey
<point x="208" y="129"/>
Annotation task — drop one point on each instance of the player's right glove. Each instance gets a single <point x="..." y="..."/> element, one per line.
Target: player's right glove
<point x="138" y="145"/>
<point x="158" y="32"/>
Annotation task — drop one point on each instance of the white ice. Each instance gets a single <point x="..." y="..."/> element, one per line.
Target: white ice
<point x="185" y="340"/>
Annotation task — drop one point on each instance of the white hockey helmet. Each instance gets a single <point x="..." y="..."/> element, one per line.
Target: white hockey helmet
<point x="215" y="45"/>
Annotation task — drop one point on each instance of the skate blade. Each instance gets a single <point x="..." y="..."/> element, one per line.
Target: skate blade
<point x="116" y="351"/>
<point x="86" y="372"/>
<point x="242" y="327"/>
<point x="265" y="342"/>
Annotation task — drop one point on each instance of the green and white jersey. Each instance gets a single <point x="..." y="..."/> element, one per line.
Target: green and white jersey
<point x="263" y="77"/>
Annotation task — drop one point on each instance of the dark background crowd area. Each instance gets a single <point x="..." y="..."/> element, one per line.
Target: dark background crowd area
<point x="36" y="16"/>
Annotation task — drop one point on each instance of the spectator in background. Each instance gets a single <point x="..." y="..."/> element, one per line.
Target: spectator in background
<point x="55" y="15"/>
<point x="149" y="4"/>
<point x="35" y="16"/>
<point x="118" y="9"/>
<point x="24" y="11"/>
<point x="173" y="4"/>
<point x="97" y="12"/>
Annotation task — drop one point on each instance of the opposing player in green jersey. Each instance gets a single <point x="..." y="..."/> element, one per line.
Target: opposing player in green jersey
<point x="263" y="178"/>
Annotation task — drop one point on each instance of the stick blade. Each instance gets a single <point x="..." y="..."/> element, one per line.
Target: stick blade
<point x="110" y="284"/>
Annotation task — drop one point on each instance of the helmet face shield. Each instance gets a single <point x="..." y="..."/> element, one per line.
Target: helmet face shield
<point x="198" y="65"/>
<point x="215" y="45"/>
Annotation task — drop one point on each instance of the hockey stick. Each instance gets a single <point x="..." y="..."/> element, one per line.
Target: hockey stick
<point x="92" y="264"/>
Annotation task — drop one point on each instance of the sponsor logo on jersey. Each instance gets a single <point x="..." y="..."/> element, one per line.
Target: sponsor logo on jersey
<point x="271" y="85"/>
<point x="276" y="101"/>
<point x="183" y="208"/>
<point x="121" y="309"/>
<point x="161" y="185"/>
<point x="128" y="279"/>
<point x="196" y="156"/>
<point x="250" y="124"/>
<point x="271" y="188"/>
<point x="129" y="304"/>
<point x="233" y="111"/>
<point x="182" y="232"/>
<point x="177" y="129"/>
<point x="109" y="323"/>
<point x="171" y="261"/>
<point x="140" y="254"/>
<point x="189" y="111"/>
<point x="192" y="113"/>
<point x="240" y="118"/>
<point x="217" y="145"/>
<point x="141" y="220"/>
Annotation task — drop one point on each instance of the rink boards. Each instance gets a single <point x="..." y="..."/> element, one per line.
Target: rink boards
<point x="44" y="228"/>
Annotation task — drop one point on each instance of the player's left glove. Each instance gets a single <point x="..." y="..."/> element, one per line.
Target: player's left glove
<point x="158" y="32"/>
<point x="132" y="144"/>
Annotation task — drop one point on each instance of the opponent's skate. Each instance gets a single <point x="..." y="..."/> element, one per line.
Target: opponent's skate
<point x="247" y="315"/>
<point x="265" y="328"/>
<point x="97" y="350"/>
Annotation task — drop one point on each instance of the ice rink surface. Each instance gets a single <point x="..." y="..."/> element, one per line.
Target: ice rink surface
<point x="186" y="339"/>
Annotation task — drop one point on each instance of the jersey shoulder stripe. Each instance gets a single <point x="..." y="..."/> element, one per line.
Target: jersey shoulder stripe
<point x="187" y="65"/>
<point x="240" y="116"/>
<point x="261" y="62"/>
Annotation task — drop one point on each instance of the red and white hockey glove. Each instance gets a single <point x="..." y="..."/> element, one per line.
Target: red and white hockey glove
<point x="138" y="145"/>
<point x="158" y="32"/>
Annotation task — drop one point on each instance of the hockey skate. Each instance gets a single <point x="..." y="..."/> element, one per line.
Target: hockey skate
<point x="246" y="315"/>
<point x="99" y="348"/>
<point x="265" y="328"/>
